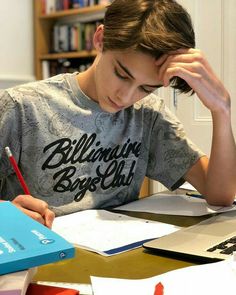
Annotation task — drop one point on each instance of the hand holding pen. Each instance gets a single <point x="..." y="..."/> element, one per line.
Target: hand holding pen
<point x="35" y="208"/>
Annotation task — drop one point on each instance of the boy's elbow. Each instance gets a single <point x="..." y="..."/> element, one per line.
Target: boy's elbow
<point x="223" y="199"/>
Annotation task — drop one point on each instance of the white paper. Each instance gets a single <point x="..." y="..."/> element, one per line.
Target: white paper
<point x="174" y="205"/>
<point x="16" y="282"/>
<point x="187" y="186"/>
<point x="101" y="231"/>
<point x="214" y="278"/>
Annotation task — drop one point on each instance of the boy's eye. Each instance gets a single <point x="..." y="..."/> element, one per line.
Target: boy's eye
<point x="119" y="75"/>
<point x="149" y="90"/>
<point x="146" y="90"/>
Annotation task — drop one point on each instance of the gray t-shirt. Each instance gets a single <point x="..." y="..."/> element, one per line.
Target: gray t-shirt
<point x="75" y="156"/>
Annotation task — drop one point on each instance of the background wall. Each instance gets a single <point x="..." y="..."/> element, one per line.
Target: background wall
<point x="16" y="50"/>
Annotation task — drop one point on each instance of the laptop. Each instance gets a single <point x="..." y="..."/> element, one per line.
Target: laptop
<point x="213" y="239"/>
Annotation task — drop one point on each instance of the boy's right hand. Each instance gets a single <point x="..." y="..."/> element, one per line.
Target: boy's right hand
<point x="35" y="208"/>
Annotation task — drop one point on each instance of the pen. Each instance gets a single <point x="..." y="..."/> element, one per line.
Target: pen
<point x="195" y="195"/>
<point x="199" y="196"/>
<point x="17" y="170"/>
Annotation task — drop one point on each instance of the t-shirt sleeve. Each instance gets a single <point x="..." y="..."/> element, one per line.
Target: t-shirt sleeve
<point x="172" y="153"/>
<point x="9" y="131"/>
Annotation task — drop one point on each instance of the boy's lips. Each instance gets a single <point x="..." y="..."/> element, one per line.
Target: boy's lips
<point x="116" y="106"/>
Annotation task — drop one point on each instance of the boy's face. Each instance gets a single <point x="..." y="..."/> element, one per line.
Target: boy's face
<point x="123" y="78"/>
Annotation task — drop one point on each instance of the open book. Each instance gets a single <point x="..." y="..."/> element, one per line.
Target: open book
<point x="108" y="233"/>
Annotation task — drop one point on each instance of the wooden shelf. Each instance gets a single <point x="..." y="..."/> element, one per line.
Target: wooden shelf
<point x="73" y="12"/>
<point x="78" y="54"/>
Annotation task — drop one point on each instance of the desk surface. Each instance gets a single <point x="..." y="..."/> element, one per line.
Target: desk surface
<point x="134" y="264"/>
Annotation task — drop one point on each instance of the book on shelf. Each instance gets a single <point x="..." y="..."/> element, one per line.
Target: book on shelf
<point x="71" y="37"/>
<point x="54" y="67"/>
<point x="46" y="69"/>
<point x="51" y="6"/>
<point x="25" y="243"/>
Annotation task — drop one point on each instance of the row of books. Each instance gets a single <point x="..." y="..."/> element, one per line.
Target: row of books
<point x="73" y="37"/>
<point x="54" y="67"/>
<point x="50" y="6"/>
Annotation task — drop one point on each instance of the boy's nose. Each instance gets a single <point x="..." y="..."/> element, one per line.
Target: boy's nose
<point x="126" y="96"/>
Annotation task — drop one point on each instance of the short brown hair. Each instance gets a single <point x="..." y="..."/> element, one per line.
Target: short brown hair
<point x="155" y="27"/>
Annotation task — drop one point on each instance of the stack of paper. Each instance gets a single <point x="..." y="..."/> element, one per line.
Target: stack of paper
<point x="172" y="204"/>
<point x="108" y="233"/>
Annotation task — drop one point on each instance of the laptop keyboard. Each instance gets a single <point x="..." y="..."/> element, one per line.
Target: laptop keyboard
<point x="226" y="247"/>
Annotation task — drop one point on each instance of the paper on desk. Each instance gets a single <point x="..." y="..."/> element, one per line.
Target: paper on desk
<point x="174" y="205"/>
<point x="214" y="278"/>
<point x="16" y="283"/>
<point x="187" y="186"/>
<point x="108" y="233"/>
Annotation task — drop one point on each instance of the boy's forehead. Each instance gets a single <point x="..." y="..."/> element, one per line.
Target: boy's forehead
<point x="131" y="55"/>
<point x="140" y="65"/>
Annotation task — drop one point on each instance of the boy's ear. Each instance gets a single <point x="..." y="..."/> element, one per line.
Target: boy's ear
<point x="98" y="38"/>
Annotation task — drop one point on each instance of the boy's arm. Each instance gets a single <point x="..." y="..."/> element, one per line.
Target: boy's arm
<point x="216" y="177"/>
<point x="221" y="176"/>
<point x="198" y="175"/>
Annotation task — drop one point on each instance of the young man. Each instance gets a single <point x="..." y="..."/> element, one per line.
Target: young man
<point x="87" y="140"/>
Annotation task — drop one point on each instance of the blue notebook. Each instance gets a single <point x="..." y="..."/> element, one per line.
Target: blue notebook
<point x="25" y="243"/>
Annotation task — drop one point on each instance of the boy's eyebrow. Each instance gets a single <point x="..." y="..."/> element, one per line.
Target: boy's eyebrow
<point x="125" y="69"/>
<point x="129" y="74"/>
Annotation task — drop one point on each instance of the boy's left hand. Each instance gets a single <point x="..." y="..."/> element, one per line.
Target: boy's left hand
<point x="192" y="66"/>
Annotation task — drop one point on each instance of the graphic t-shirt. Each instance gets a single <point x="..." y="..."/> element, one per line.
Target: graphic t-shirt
<point x="76" y="156"/>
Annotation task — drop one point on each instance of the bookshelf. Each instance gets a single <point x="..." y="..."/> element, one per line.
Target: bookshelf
<point x="43" y="28"/>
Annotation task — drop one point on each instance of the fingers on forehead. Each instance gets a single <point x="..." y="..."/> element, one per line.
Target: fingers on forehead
<point x="161" y="59"/>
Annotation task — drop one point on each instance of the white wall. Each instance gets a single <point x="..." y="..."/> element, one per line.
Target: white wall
<point x="16" y="50"/>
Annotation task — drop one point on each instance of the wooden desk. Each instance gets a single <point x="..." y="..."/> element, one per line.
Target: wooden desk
<point x="134" y="264"/>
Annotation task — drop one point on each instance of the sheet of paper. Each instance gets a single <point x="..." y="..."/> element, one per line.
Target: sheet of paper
<point x="108" y="233"/>
<point x="16" y="283"/>
<point x="214" y="278"/>
<point x="174" y="205"/>
<point x="187" y="186"/>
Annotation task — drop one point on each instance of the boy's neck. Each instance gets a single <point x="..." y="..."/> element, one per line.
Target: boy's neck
<point x="87" y="83"/>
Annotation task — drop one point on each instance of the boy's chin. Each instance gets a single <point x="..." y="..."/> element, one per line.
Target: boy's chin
<point x="109" y="109"/>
